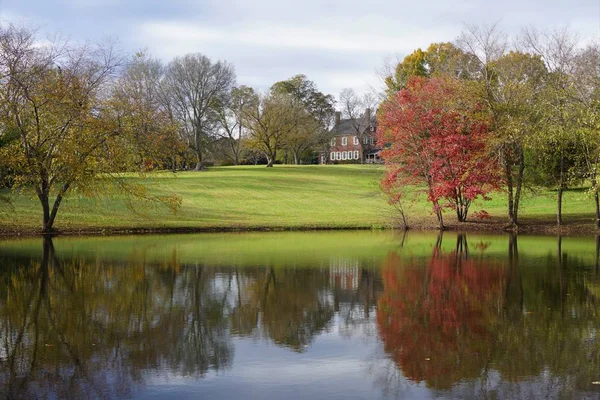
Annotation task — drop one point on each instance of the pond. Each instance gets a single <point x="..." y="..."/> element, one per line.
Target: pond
<point x="321" y="315"/>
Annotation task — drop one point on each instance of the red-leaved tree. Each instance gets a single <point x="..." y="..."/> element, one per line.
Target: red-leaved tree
<point x="434" y="134"/>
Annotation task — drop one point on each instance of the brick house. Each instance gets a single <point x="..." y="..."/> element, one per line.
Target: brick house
<point x="352" y="141"/>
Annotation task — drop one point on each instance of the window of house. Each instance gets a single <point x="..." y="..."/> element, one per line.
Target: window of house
<point x="344" y="141"/>
<point x="365" y="140"/>
<point x="338" y="156"/>
<point x="356" y="154"/>
<point x="371" y="140"/>
<point x="332" y="156"/>
<point x="332" y="142"/>
<point x="344" y="155"/>
<point x="355" y="140"/>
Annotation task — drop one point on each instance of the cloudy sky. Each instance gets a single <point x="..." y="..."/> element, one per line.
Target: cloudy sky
<point x="336" y="43"/>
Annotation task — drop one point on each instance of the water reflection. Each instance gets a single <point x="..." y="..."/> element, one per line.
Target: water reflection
<point x="451" y="316"/>
<point x="492" y="328"/>
<point x="437" y="316"/>
<point x="78" y="330"/>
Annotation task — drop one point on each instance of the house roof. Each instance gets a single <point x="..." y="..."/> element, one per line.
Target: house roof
<point x="348" y="126"/>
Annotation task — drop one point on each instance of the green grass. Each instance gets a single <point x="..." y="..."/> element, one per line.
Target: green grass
<point x="256" y="197"/>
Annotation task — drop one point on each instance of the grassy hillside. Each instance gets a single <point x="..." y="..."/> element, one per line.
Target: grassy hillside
<point x="257" y="197"/>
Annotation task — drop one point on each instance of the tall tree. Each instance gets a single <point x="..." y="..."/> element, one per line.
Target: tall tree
<point x="139" y="101"/>
<point x="558" y="50"/>
<point x="586" y="78"/>
<point x="56" y="98"/>
<point x="196" y="87"/>
<point x="514" y="94"/>
<point x="437" y="138"/>
<point x="510" y="87"/>
<point x="319" y="110"/>
<point x="271" y="122"/>
<point x="231" y="114"/>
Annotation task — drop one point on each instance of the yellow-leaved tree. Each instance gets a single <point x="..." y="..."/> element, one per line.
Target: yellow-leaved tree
<point x="56" y="99"/>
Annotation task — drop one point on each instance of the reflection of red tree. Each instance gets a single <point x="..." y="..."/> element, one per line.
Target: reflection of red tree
<point x="436" y="320"/>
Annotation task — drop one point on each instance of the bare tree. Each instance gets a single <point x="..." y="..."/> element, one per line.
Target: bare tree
<point x="358" y="109"/>
<point x="196" y="87"/>
<point x="139" y="100"/>
<point x="230" y="115"/>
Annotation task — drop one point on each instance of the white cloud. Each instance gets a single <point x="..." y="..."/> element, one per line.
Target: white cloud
<point x="336" y="43"/>
<point x="366" y="42"/>
<point x="334" y="57"/>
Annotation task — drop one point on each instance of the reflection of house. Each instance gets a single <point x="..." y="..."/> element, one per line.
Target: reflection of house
<point x="352" y="140"/>
<point x="344" y="274"/>
<point x="355" y="288"/>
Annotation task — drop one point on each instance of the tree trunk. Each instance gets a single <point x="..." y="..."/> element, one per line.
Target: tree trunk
<point x="46" y="222"/>
<point x="197" y="149"/>
<point x="440" y="216"/>
<point x="462" y="207"/>
<point x="597" y="201"/>
<point x="296" y="158"/>
<point x="561" y="188"/>
<point x="199" y="164"/>
<point x="436" y="207"/>
<point x="514" y="187"/>
<point x="174" y="162"/>
<point x="271" y="158"/>
<point x="362" y="151"/>
<point x="559" y="219"/>
<point x="519" y="187"/>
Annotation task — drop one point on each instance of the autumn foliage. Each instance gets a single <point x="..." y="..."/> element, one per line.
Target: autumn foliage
<point x="435" y="135"/>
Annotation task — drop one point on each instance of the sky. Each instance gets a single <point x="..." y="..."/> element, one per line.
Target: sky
<point x="336" y="43"/>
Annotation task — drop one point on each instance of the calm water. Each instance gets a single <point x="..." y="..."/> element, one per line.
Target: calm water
<point x="351" y="315"/>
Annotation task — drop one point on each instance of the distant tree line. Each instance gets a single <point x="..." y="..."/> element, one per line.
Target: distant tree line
<point x="196" y="105"/>
<point x="481" y="114"/>
<point x="74" y="118"/>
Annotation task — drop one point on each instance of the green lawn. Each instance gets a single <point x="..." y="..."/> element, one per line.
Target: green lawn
<point x="345" y="196"/>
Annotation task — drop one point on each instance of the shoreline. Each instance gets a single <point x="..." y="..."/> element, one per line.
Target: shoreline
<point x="528" y="226"/>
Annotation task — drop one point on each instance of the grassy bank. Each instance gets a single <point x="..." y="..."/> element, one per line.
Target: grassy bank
<point x="284" y="197"/>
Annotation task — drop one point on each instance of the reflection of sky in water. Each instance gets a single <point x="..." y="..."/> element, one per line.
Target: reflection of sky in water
<point x="334" y="366"/>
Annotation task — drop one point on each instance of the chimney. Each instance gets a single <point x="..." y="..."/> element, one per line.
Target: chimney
<point x="368" y="117"/>
<point x="338" y="116"/>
